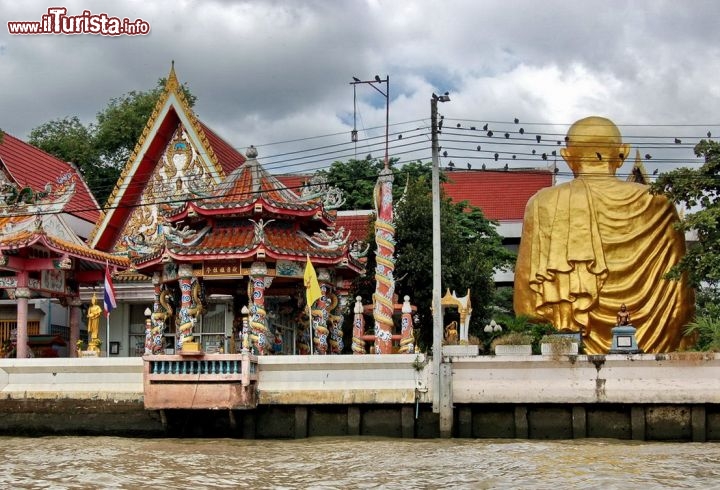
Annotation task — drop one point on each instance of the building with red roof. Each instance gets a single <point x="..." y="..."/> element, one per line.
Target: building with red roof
<point x="31" y="167"/>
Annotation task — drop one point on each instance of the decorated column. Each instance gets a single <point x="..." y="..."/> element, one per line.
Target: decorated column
<point x="75" y="313"/>
<point x="161" y="311"/>
<point x="385" y="262"/>
<point x="22" y="293"/>
<point x="358" y="344"/>
<point x="320" y="313"/>
<point x="338" y="303"/>
<point x="258" y="319"/>
<point x="407" y="339"/>
<point x="186" y="321"/>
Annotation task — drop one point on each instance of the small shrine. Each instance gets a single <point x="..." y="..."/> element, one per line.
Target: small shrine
<point x="250" y="238"/>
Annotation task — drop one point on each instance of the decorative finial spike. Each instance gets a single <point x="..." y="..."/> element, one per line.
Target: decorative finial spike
<point x="172" y="83"/>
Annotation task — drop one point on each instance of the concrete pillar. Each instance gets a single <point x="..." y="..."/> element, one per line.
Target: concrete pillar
<point x="699" y="423"/>
<point x="637" y="423"/>
<point x="579" y="422"/>
<point x="301" y="422"/>
<point x="521" y="423"/>
<point x="353" y="420"/>
<point x="407" y="421"/>
<point x="446" y="400"/>
<point x="465" y="422"/>
<point x="22" y="293"/>
<point x="75" y="305"/>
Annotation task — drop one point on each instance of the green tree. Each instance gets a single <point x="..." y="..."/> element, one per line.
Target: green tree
<point x="101" y="149"/>
<point x="697" y="189"/>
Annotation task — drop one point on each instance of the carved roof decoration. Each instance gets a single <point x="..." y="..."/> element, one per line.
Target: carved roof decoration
<point x="21" y="233"/>
<point x="249" y="188"/>
<point x="170" y="116"/>
<point x="248" y="238"/>
<point x="20" y="164"/>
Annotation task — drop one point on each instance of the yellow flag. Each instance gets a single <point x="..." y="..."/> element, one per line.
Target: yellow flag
<point x="312" y="288"/>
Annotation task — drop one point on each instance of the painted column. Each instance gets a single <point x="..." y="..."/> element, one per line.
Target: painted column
<point x="338" y="303"/>
<point x="320" y="313"/>
<point x="358" y="344"/>
<point x="75" y="311"/>
<point x="159" y="315"/>
<point x="407" y="339"/>
<point x="22" y="293"/>
<point x="186" y="322"/>
<point x="385" y="263"/>
<point x="258" y="316"/>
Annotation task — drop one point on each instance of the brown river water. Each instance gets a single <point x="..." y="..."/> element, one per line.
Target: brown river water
<point x="345" y="463"/>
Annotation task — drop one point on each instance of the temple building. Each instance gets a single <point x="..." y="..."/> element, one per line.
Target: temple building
<point x="43" y="259"/>
<point x="217" y="244"/>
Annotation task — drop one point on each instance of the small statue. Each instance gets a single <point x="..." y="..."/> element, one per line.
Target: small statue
<point x="623" y="316"/>
<point x="93" y="320"/>
<point x="451" y="333"/>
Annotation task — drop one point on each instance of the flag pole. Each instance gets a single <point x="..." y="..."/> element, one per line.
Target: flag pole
<point x="312" y="335"/>
<point x="107" y="335"/>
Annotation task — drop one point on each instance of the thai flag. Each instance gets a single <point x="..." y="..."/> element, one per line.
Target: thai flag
<point x="109" y="301"/>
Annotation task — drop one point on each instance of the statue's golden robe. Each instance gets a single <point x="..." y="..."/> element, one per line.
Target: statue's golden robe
<point x="592" y="244"/>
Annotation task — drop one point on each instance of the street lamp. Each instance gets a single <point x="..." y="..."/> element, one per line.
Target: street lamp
<point x="386" y="94"/>
<point x="437" y="265"/>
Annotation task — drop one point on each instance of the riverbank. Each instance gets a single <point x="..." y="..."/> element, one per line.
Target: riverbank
<point x="641" y="397"/>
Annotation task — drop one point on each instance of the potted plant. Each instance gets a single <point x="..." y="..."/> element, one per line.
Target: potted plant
<point x="513" y="344"/>
<point x="558" y="345"/>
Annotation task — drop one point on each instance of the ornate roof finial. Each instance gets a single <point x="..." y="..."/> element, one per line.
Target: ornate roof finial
<point x="251" y="152"/>
<point x="172" y="83"/>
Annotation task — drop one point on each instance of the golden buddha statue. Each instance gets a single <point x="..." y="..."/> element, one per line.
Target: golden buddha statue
<point x="590" y="245"/>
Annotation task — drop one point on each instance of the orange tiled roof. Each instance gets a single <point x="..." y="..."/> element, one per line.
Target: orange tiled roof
<point x="502" y="195"/>
<point x="32" y="167"/>
<point x="26" y="238"/>
<point x="358" y="223"/>
<point x="238" y="240"/>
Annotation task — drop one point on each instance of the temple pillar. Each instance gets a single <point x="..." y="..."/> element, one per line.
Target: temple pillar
<point x="407" y="339"/>
<point x="187" y="322"/>
<point x="258" y="316"/>
<point x="22" y="294"/>
<point x="320" y="313"/>
<point x="383" y="307"/>
<point x="358" y="344"/>
<point x="158" y="317"/>
<point x="337" y="319"/>
<point x="75" y="310"/>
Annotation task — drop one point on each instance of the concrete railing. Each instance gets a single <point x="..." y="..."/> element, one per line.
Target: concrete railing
<point x="692" y="377"/>
<point x="85" y="378"/>
<point x="312" y="380"/>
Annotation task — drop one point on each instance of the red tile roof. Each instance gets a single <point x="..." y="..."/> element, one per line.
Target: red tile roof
<point x="32" y="167"/>
<point x="228" y="157"/>
<point x="358" y="223"/>
<point x="502" y="195"/>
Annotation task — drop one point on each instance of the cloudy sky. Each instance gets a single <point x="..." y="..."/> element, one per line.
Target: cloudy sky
<point x="276" y="74"/>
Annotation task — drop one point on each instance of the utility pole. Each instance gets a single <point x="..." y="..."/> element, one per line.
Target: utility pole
<point x="374" y="84"/>
<point x="440" y="397"/>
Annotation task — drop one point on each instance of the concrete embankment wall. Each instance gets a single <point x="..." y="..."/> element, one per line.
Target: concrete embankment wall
<point x="628" y="397"/>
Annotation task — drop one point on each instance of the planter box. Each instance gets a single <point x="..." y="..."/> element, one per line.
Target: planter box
<point x="460" y="350"/>
<point x="570" y="350"/>
<point x="513" y="350"/>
